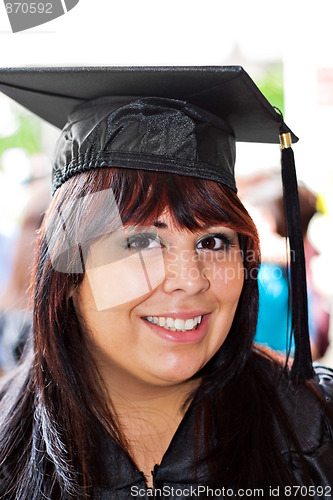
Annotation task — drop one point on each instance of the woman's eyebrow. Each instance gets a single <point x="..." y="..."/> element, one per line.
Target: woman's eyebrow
<point x="163" y="225"/>
<point x="160" y="225"/>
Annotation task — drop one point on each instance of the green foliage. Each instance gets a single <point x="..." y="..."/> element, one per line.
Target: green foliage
<point x="271" y="85"/>
<point x="27" y="136"/>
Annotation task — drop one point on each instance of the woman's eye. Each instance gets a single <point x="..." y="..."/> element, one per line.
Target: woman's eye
<point x="215" y="242"/>
<point x="143" y="241"/>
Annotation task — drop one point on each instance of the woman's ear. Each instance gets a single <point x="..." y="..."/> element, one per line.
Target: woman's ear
<point x="72" y="296"/>
<point x="71" y="292"/>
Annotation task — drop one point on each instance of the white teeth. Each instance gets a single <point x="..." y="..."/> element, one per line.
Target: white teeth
<point x="189" y="324"/>
<point x="175" y="325"/>
<point x="170" y="322"/>
<point x="179" y="324"/>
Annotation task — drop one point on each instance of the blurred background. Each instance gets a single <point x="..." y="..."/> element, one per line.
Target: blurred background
<point x="287" y="50"/>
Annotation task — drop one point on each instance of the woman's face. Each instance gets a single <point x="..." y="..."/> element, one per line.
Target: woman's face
<point x="159" y="302"/>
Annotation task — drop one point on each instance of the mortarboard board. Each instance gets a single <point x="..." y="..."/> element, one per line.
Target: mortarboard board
<point x="226" y="91"/>
<point x="222" y="103"/>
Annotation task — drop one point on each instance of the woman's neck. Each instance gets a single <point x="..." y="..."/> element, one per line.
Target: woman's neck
<point x="146" y="411"/>
<point x="148" y="417"/>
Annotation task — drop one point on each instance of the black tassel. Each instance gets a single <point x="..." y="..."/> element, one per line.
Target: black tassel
<point x="302" y="365"/>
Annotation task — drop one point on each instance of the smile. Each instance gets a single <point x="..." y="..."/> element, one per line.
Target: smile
<point x="175" y="325"/>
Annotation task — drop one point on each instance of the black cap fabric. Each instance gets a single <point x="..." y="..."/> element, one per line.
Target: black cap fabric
<point x="226" y="91"/>
<point x="178" y="120"/>
<point x="169" y="119"/>
<point x="150" y="133"/>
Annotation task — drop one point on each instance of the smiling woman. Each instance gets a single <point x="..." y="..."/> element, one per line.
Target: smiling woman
<point x="143" y="375"/>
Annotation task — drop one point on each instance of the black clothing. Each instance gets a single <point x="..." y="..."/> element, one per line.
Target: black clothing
<point x="177" y="470"/>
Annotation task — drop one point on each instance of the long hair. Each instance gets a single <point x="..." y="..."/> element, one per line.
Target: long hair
<point x="52" y="408"/>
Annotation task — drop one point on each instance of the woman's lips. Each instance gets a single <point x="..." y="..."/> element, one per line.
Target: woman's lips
<point x="188" y="328"/>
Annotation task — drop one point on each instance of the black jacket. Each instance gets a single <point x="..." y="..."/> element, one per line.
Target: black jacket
<point x="178" y="478"/>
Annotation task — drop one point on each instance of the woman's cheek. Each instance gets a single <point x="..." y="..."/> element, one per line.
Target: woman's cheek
<point x="126" y="280"/>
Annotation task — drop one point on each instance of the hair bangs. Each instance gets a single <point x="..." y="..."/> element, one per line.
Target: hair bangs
<point x="142" y="196"/>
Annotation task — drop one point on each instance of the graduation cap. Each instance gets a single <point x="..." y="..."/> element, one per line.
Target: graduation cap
<point x="182" y="120"/>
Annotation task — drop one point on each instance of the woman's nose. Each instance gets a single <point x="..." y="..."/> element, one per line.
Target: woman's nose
<point x="184" y="272"/>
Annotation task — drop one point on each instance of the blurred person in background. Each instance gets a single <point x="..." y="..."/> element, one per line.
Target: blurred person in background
<point x="15" y="307"/>
<point x="264" y="194"/>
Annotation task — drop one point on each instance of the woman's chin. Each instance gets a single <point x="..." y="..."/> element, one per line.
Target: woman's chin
<point x="177" y="375"/>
